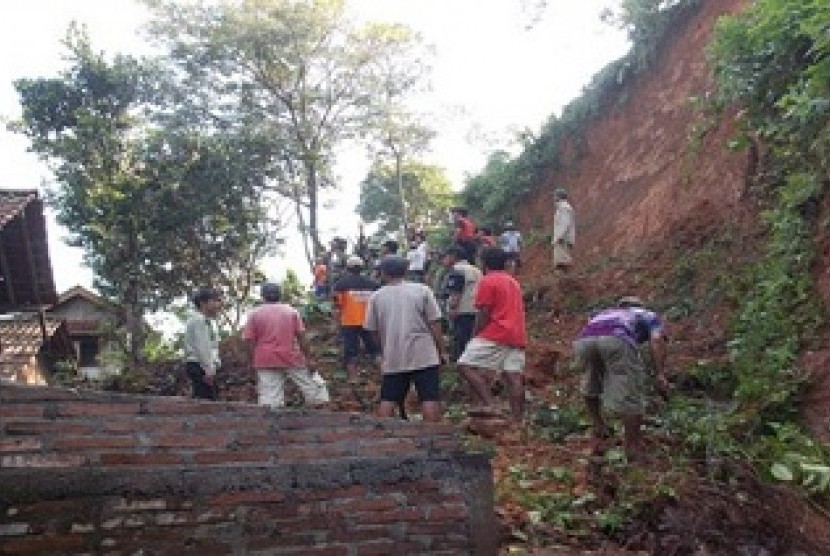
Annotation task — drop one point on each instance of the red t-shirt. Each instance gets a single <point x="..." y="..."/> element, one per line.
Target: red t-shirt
<point x="501" y="294"/>
<point x="465" y="229"/>
<point x="273" y="328"/>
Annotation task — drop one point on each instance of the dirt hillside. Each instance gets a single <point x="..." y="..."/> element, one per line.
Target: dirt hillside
<point x="637" y="174"/>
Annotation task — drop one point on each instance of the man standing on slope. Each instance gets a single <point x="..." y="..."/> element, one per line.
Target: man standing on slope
<point x="405" y="318"/>
<point x="511" y="244"/>
<point x="279" y="347"/>
<point x="614" y="372"/>
<point x="501" y="337"/>
<point x="564" y="231"/>
<point x="351" y="295"/>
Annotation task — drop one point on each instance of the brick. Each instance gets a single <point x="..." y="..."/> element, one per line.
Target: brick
<point x="447" y="512"/>
<point x="213" y="458"/>
<point x="269" y="546"/>
<point x="249" y="497"/>
<point x="394" y="516"/>
<point x="43" y="544"/>
<point x="28" y="394"/>
<point x="17" y="410"/>
<point x="90" y="409"/>
<point x="11" y="445"/>
<point x="142" y="425"/>
<point x="116" y="458"/>
<point x="354" y="491"/>
<point x="44" y="460"/>
<point x="165" y="519"/>
<point x="46" y="427"/>
<point x="386" y="446"/>
<point x="182" y="406"/>
<point x="311" y="452"/>
<point x="262" y="440"/>
<point x="190" y="440"/>
<point x="72" y="443"/>
<point x="366" y="505"/>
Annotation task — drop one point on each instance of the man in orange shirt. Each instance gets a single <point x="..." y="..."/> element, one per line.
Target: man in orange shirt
<point x="351" y="294"/>
<point x="320" y="278"/>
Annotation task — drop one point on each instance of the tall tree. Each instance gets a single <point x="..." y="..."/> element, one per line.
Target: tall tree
<point x="157" y="210"/>
<point x="299" y="68"/>
<point x="426" y="186"/>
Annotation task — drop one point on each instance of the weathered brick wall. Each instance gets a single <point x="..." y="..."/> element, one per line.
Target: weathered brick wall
<point x="86" y="472"/>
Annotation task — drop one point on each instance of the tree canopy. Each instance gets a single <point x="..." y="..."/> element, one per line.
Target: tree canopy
<point x="427" y="191"/>
<point x="307" y="76"/>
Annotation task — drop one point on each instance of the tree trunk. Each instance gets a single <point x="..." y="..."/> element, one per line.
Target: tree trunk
<point x="313" y="201"/>
<point x="399" y="176"/>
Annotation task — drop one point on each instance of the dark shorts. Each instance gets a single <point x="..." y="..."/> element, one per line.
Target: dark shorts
<point x="352" y="337"/>
<point x="462" y="332"/>
<point x="395" y="386"/>
<point x="201" y="389"/>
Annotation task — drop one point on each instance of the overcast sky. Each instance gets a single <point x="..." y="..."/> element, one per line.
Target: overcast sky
<point x="500" y="66"/>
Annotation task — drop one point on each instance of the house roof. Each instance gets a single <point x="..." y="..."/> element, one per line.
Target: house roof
<point x="22" y="337"/>
<point x="83" y="293"/>
<point x="25" y="268"/>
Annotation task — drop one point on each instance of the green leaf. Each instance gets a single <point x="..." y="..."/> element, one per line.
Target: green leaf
<point x="781" y="472"/>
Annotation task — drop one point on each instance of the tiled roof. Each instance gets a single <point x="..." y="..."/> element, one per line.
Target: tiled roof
<point x="12" y="203"/>
<point x="21" y="338"/>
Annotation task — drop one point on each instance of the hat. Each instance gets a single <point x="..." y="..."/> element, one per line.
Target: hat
<point x="354" y="262"/>
<point x="270" y="291"/>
<point x="508" y="224"/>
<point x="560" y="193"/>
<point x="630" y="301"/>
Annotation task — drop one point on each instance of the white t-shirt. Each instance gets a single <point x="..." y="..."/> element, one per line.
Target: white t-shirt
<point x="511" y="241"/>
<point x="417" y="257"/>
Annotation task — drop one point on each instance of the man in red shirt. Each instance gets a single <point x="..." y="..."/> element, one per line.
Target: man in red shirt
<point x="279" y="347"/>
<point x="465" y="233"/>
<point x="500" y="334"/>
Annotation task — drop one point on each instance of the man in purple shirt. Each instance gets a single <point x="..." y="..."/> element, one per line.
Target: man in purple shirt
<point x="614" y="372"/>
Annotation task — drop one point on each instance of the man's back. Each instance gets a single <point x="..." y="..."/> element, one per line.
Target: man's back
<point x="501" y="295"/>
<point x="401" y="314"/>
<point x="273" y="328"/>
<point x="470" y="275"/>
<point x="352" y="294"/>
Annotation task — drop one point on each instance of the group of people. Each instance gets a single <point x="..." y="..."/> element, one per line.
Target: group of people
<point x="387" y="311"/>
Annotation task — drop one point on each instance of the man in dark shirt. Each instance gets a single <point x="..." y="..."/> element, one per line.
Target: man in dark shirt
<point x="351" y="294"/>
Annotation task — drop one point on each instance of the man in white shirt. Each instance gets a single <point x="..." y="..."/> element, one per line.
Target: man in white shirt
<point x="511" y="244"/>
<point x="201" y="344"/>
<point x="564" y="231"/>
<point x="417" y="257"/>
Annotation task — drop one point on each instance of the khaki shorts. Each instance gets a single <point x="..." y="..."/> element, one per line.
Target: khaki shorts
<point x="562" y="254"/>
<point x="613" y="371"/>
<point x="487" y="354"/>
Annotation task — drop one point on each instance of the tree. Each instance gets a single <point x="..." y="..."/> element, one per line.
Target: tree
<point x="157" y="210"/>
<point x="426" y="186"/>
<point x="299" y="68"/>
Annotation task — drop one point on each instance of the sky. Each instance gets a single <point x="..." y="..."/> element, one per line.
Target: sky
<point x="500" y="66"/>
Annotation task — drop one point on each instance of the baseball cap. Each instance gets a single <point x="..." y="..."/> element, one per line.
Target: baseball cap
<point x="354" y="262"/>
<point x="630" y="301"/>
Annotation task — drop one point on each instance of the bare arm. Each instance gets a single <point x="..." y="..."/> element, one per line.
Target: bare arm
<point x="438" y="338"/>
<point x="482" y="318"/>
<point x="452" y="304"/>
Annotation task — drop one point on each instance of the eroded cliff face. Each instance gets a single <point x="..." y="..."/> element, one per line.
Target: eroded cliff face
<point x="639" y="169"/>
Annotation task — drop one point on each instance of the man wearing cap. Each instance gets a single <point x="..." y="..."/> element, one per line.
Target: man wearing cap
<point x="351" y="295"/>
<point x="511" y="244"/>
<point x="461" y="284"/>
<point x="278" y="347"/>
<point x="405" y="319"/>
<point x="564" y="231"/>
<point x="613" y="370"/>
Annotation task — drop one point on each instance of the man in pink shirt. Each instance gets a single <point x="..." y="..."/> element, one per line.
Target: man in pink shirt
<point x="278" y="346"/>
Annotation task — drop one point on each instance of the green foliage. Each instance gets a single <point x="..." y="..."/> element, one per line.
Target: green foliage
<point x="491" y="195"/>
<point x="291" y="288"/>
<point x="426" y="189"/>
<point x="300" y="73"/>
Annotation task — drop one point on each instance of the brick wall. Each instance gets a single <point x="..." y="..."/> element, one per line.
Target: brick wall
<point x="85" y="472"/>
